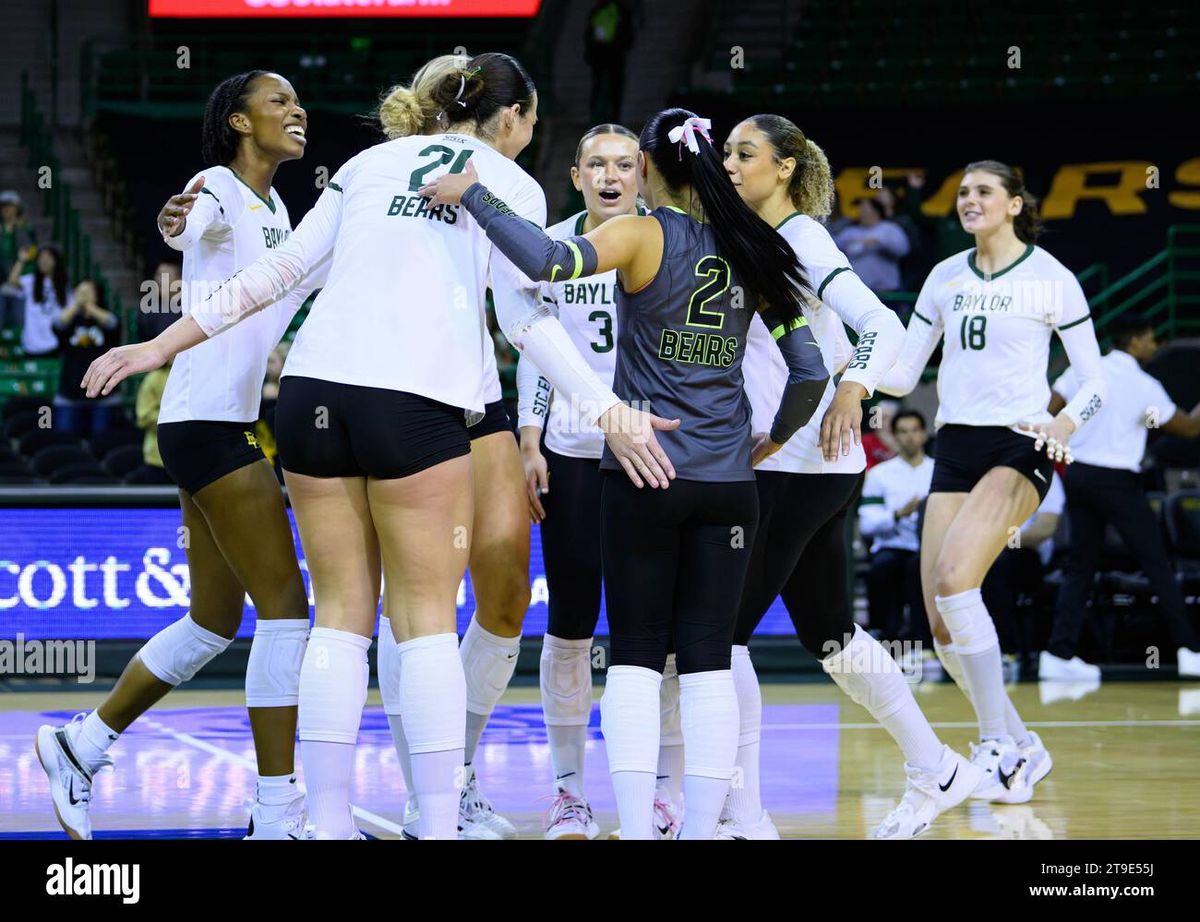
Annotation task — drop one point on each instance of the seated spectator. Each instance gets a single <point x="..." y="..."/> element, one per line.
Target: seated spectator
<point x="161" y="301"/>
<point x="874" y="246"/>
<point x="888" y="514"/>
<point x="85" y="330"/>
<point x="878" y="442"/>
<point x="149" y="401"/>
<point x="17" y="243"/>
<point x="1021" y="570"/>
<point x="45" y="294"/>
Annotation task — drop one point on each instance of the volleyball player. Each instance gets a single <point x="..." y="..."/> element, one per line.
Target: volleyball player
<point x="807" y="489"/>
<point x="396" y="334"/>
<point x="674" y="561"/>
<point x="995" y="307"/>
<point x="605" y="172"/>
<point x="237" y="536"/>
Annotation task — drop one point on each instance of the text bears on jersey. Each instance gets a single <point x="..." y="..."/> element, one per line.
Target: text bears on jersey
<point x="698" y="348"/>
<point x="414" y="206"/>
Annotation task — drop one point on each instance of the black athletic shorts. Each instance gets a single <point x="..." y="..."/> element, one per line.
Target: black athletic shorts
<point x="495" y="419"/>
<point x="327" y="429"/>
<point x="197" y="452"/>
<point x="966" y="453"/>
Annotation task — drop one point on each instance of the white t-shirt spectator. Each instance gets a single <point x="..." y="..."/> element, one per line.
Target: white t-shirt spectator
<point x="890" y="486"/>
<point x="38" y="336"/>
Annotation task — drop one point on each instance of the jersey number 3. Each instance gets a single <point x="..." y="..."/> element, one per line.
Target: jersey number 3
<point x="444" y="155"/>
<point x="973" y="334"/>
<point x="716" y="271"/>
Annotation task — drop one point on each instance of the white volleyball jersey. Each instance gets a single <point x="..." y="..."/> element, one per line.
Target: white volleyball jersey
<point x="587" y="309"/>
<point x="229" y="227"/>
<point x="841" y="298"/>
<point x="997" y="330"/>
<point x="404" y="304"/>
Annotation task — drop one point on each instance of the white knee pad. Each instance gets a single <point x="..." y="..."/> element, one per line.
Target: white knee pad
<point x="273" y="670"/>
<point x="488" y="664"/>
<point x="180" y="650"/>
<point x="333" y="686"/>
<point x="866" y="672"/>
<point x="967" y="619"/>
<point x="433" y="694"/>
<point x="566" y="680"/>
<point x="668" y="704"/>
<point x="388" y="664"/>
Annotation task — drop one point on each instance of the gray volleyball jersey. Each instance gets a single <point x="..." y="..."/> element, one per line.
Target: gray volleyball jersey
<point x="680" y="345"/>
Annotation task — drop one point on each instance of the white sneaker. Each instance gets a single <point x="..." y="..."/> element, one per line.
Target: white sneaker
<point x="929" y="794"/>
<point x="412" y="817"/>
<point x="570" y="817"/>
<point x="1188" y="663"/>
<point x="70" y="779"/>
<point x="1053" y="668"/>
<point x="286" y="822"/>
<point x="1038" y="758"/>
<point x="1004" y="780"/>
<point x="667" y="819"/>
<point x="476" y="817"/>
<point x="730" y="828"/>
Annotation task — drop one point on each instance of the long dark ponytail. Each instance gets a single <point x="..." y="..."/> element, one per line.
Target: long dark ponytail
<point x="218" y="141"/>
<point x="57" y="278"/>
<point x="760" y="257"/>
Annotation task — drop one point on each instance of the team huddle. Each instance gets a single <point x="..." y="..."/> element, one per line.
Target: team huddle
<point x="689" y="416"/>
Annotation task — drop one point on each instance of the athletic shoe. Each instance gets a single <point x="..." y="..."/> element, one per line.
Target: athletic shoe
<point x="667" y="820"/>
<point x="1053" y="668"/>
<point x="1004" y="780"/>
<point x="1038" y="758"/>
<point x="570" y="817"/>
<point x="730" y="828"/>
<point x="412" y="817"/>
<point x="287" y="822"/>
<point x="476" y="817"/>
<point x="1188" y="662"/>
<point x="929" y="794"/>
<point x="70" y="779"/>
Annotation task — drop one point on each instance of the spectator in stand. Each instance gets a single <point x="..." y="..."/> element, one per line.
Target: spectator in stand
<point x="161" y="301"/>
<point x="888" y="515"/>
<point x="874" y="246"/>
<point x="45" y="294"/>
<point x="607" y="39"/>
<point x="149" y="399"/>
<point x="17" y="243"/>
<point x="85" y="331"/>
<point x="879" y="442"/>
<point x="914" y="267"/>
<point x="1021" y="570"/>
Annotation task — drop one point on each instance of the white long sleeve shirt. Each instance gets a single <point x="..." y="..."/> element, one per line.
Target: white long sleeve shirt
<point x="889" y="487"/>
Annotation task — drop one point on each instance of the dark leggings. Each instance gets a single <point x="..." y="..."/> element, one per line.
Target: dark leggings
<point x="674" y="564"/>
<point x="571" y="545"/>
<point x="800" y="554"/>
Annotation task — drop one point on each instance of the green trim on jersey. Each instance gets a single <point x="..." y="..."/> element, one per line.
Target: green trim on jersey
<point x="794" y="214"/>
<point x="830" y="277"/>
<point x="995" y="275"/>
<point x="266" y="201"/>
<point x="871" y="501"/>
<point x="1075" y="323"/>
<point x="581" y="219"/>
<point x="335" y="187"/>
<point x="785" y="328"/>
<point x="920" y="316"/>
<point x="220" y="207"/>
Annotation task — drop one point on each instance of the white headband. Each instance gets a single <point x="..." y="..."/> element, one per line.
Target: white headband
<point x="687" y="132"/>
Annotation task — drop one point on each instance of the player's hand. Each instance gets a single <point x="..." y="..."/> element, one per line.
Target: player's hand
<point x="908" y="508"/>
<point x="448" y="188"/>
<point x="630" y="435"/>
<point x="842" y="426"/>
<point x="763" y="448"/>
<point x="1052" y="437"/>
<point x="117" y="364"/>
<point x="537" y="481"/>
<point x="173" y="216"/>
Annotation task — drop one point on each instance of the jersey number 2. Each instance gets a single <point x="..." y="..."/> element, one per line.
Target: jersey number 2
<point x="716" y="270"/>
<point x="444" y="155"/>
<point x="973" y="334"/>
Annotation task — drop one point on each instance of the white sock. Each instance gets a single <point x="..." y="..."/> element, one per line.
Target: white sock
<point x="670" y="740"/>
<point x="978" y="650"/>
<point x="276" y="790"/>
<point x="708" y="702"/>
<point x="433" y="699"/>
<point x="745" y="798"/>
<point x="1012" y="720"/>
<point x="629" y="719"/>
<point x="866" y="672"/>
<point x="565" y="677"/>
<point x="396" y="725"/>
<point x="488" y="661"/>
<point x="333" y="690"/>
<point x="91" y="738"/>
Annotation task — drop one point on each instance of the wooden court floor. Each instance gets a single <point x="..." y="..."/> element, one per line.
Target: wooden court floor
<point x="1126" y="765"/>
